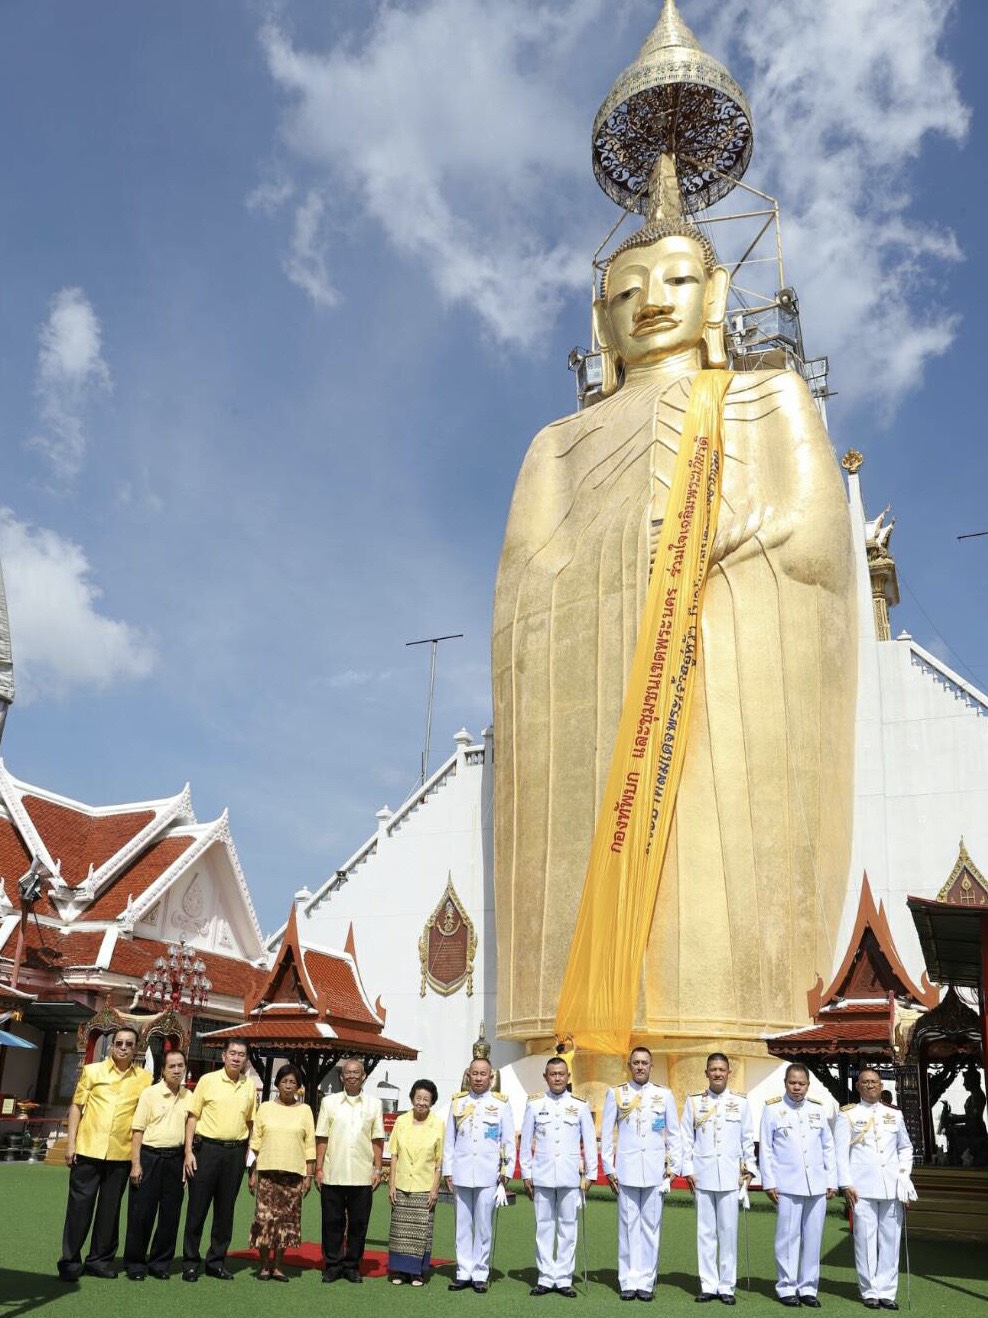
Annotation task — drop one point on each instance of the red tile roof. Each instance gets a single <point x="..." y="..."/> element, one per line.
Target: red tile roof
<point x="334" y="980"/>
<point x="78" y="839"/>
<point x="837" y="1035"/>
<point x="46" y="947"/>
<point x="304" y="1034"/>
<point x="15" y="861"/>
<point x="230" y="977"/>
<point x="137" y="878"/>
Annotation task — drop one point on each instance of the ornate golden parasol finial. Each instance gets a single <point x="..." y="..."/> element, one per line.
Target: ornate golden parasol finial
<point x="675" y="100"/>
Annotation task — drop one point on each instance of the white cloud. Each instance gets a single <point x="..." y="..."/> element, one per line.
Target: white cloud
<point x="60" y="639"/>
<point x="451" y="129"/>
<point x="305" y="265"/>
<point x="70" y="371"/>
<point x="269" y="197"/>
<point x="844" y="97"/>
<point x="454" y="127"/>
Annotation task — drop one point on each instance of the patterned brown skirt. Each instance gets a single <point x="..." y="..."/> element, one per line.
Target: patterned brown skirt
<point x="410" y="1242"/>
<point x="277" y="1211"/>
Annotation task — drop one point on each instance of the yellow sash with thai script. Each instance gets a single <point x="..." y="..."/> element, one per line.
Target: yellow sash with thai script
<point x="600" y="989"/>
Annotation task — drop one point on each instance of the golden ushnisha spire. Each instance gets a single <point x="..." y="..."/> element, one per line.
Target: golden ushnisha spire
<point x="674" y="100"/>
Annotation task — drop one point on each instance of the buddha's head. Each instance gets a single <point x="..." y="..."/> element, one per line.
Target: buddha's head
<point x="663" y="296"/>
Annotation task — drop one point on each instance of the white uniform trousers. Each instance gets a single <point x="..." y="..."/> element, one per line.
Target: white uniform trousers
<point x="474" y="1207"/>
<point x="639" y="1227"/>
<point x="798" y="1238"/>
<point x="877" y="1233"/>
<point x="555" y="1233"/>
<point x="717" y="1223"/>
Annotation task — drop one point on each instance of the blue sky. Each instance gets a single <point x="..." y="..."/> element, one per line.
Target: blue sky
<point x="285" y="292"/>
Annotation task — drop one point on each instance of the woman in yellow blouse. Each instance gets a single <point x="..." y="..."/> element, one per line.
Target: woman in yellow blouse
<point x="284" y="1141"/>
<point x="416" y="1147"/>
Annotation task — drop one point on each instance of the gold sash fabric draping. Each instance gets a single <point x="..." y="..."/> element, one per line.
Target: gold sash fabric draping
<point x="603" y="975"/>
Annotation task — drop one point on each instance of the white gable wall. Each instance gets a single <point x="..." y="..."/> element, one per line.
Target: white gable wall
<point x="442" y="831"/>
<point x="921" y="771"/>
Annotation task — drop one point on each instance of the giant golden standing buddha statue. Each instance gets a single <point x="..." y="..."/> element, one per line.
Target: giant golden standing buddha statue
<point x="674" y="656"/>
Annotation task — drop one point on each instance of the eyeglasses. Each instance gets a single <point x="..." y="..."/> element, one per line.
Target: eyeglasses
<point x="124" y="1043"/>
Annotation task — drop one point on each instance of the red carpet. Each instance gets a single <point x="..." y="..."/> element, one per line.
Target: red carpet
<point x="374" y="1263"/>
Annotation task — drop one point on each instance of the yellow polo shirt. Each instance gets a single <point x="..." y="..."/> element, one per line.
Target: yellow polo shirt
<point x="223" y="1108"/>
<point x="108" y="1097"/>
<point x="161" y="1116"/>
<point x="417" y="1150"/>
<point x="349" y="1125"/>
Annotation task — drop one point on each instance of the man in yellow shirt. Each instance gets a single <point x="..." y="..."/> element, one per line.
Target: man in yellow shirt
<point x="157" y="1183"/>
<point x="349" y="1153"/>
<point x="217" y="1128"/>
<point x="98" y="1154"/>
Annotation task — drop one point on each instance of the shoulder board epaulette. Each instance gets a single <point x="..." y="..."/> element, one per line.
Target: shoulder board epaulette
<point x="817" y="1101"/>
<point x="459" y="1094"/>
<point x="776" y="1099"/>
<point x="699" y="1094"/>
<point x="849" y="1107"/>
<point x="501" y="1098"/>
<point x="579" y="1098"/>
<point x="738" y="1093"/>
<point x="534" y="1098"/>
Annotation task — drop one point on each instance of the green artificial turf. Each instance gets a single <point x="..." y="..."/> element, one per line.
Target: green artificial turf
<point x="947" y="1278"/>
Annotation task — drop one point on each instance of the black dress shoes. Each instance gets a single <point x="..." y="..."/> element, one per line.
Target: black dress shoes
<point x="69" y="1273"/>
<point x="727" y="1299"/>
<point x="158" y="1276"/>
<point x="460" y="1284"/>
<point x="628" y="1295"/>
<point x="644" y="1295"/>
<point x="100" y="1270"/>
<point x="353" y="1274"/>
<point x="540" y="1290"/>
<point x="790" y="1301"/>
<point x="331" y="1274"/>
<point x="567" y="1292"/>
<point x="810" y="1302"/>
<point x="136" y="1276"/>
<point x="190" y="1274"/>
<point x="219" y="1272"/>
<point x="480" y="1287"/>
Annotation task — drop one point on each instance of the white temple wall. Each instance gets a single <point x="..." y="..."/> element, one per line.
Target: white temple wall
<point x="391" y="888"/>
<point x="921" y="771"/>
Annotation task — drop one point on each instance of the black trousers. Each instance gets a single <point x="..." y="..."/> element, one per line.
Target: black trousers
<point x="159" y="1195"/>
<point x="95" y="1185"/>
<point x="346" y="1211"/>
<point x="216" y="1183"/>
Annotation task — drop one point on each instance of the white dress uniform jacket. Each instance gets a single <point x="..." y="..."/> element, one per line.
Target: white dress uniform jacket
<point x="796" y="1149"/>
<point x="558" y="1141"/>
<point x="640" y="1145"/>
<point x="558" y="1146"/>
<point x="873" y="1151"/>
<point x="479" y="1148"/>
<point x="718" y="1140"/>
<point x="639" y="1134"/>
<point x="480" y="1139"/>
<point x="718" y="1147"/>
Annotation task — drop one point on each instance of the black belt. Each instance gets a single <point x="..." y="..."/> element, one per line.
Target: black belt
<point x="221" y="1144"/>
<point x="171" y="1151"/>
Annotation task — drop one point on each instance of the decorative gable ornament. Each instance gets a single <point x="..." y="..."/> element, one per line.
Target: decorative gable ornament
<point x="448" y="946"/>
<point x="966" y="886"/>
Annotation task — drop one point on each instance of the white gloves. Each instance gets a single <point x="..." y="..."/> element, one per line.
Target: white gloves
<point x="666" y="1186"/>
<point x="743" y="1199"/>
<point x="905" y="1191"/>
<point x="500" y="1196"/>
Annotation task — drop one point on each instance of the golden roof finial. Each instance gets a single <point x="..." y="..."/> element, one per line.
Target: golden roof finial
<point x="664" y="201"/>
<point x="852" y="461"/>
<point x="675" y="100"/>
<point x="670" y="30"/>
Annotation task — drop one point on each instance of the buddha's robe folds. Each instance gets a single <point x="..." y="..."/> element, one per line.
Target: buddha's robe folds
<point x="756" y="869"/>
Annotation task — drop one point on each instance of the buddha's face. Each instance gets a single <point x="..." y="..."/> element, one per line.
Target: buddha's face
<point x="657" y="300"/>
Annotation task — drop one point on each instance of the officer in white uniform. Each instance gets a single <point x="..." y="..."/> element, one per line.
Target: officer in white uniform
<point x="799" y="1175"/>
<point x="558" y="1152"/>
<point x="718" y="1158"/>
<point x="874" y="1160"/>
<point x="640" y="1150"/>
<point x="479" y="1152"/>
